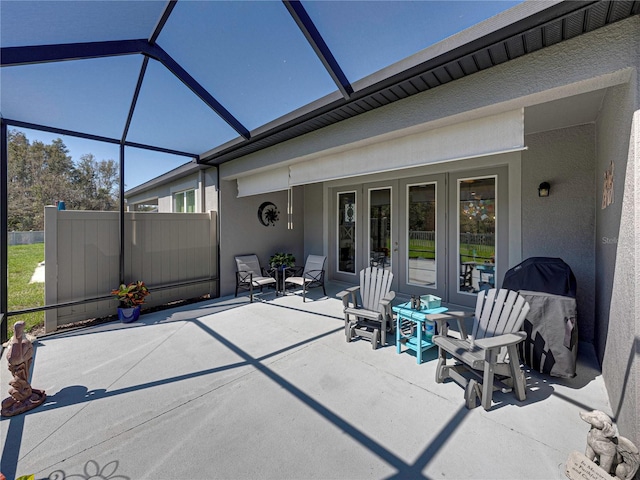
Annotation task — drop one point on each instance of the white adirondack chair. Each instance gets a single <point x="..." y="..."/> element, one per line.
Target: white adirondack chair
<point x="490" y="352"/>
<point x="373" y="315"/>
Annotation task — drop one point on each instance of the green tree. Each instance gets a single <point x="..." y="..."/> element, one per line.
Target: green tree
<point x="96" y="183"/>
<point x="40" y="175"/>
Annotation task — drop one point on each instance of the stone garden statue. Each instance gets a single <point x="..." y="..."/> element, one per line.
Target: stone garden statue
<point x="19" y="355"/>
<point x="616" y="455"/>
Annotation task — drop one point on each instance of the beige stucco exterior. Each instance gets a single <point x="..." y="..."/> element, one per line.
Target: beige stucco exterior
<point x="601" y="245"/>
<point x="595" y="77"/>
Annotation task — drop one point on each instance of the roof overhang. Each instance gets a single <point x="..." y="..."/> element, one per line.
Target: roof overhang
<point x="519" y="31"/>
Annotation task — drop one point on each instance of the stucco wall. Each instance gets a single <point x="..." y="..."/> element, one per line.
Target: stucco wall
<point x="164" y="193"/>
<point x="313" y="220"/>
<point x="241" y="232"/>
<point x="210" y="178"/>
<point x="563" y="224"/>
<point x="618" y="267"/>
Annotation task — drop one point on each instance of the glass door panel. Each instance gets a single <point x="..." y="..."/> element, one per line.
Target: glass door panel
<point x="423" y="255"/>
<point x="380" y="228"/>
<point x="421" y="250"/>
<point x="476" y="233"/>
<point x="347" y="220"/>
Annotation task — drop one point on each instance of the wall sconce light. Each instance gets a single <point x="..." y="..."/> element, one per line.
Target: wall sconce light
<point x="544" y="189"/>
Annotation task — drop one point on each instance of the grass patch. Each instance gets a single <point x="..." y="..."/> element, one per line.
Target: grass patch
<point x="22" y="261"/>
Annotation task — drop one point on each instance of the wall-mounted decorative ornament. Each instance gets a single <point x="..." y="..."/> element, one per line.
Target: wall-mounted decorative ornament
<point x="268" y="214"/>
<point x="607" y="189"/>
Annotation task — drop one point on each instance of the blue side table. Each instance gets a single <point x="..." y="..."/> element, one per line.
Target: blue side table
<point x="418" y="341"/>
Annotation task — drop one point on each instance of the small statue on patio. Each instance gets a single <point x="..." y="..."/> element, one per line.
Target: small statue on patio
<point x="615" y="454"/>
<point x="19" y="356"/>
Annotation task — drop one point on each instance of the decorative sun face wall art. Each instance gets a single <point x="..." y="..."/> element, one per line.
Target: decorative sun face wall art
<point x="268" y="214"/>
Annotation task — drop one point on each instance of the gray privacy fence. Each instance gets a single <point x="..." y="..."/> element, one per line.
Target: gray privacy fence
<point x="82" y="259"/>
<point x="25" y="238"/>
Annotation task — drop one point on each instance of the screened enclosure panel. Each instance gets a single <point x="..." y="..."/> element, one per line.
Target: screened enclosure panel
<point x="143" y="165"/>
<point x="170" y="115"/>
<point x="250" y="55"/>
<point x="90" y="96"/>
<point x="53" y="22"/>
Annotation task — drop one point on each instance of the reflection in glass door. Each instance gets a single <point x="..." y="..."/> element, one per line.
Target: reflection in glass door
<point x="476" y="233"/>
<point x="346" y="232"/>
<point x="421" y="251"/>
<point x="380" y="228"/>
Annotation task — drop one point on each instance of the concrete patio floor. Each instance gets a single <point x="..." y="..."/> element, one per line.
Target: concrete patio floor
<point x="226" y="389"/>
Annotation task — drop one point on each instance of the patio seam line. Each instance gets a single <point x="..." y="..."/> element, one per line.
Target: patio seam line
<point x="302" y="345"/>
<point x="357" y="435"/>
<point x="243" y="376"/>
<point x="110" y="385"/>
<point x="319" y="314"/>
<point x="148" y="420"/>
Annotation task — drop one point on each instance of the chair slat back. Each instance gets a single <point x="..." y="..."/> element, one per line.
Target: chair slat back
<point x="498" y="312"/>
<point x="375" y="283"/>
<point x="314" y="262"/>
<point x="249" y="263"/>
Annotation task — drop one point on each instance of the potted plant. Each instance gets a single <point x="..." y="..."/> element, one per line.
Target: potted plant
<point x="282" y="260"/>
<point x="130" y="297"/>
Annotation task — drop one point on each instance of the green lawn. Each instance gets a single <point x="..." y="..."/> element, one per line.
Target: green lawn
<point x="22" y="261"/>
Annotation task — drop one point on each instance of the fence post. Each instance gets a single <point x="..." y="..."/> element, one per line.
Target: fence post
<point x="50" y="267"/>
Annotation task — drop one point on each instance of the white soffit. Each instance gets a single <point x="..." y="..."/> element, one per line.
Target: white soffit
<point x="264" y="182"/>
<point x="476" y="138"/>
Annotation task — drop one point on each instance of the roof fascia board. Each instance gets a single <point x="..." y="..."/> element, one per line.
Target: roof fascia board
<point x="13" y="56"/>
<point x="291" y="119"/>
<point x="315" y="39"/>
<point x="515" y="21"/>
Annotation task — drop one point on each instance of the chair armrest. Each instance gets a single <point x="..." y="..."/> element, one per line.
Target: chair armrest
<point x="388" y="298"/>
<point x="314" y="274"/>
<point x="345" y="293"/>
<point x="442" y="322"/>
<point x="241" y="277"/>
<point x="269" y="272"/>
<point x="500" y="341"/>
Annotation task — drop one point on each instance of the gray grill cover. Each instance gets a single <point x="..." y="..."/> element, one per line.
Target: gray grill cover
<point x="551" y="345"/>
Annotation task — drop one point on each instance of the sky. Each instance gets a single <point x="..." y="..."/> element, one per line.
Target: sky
<point x="250" y="56"/>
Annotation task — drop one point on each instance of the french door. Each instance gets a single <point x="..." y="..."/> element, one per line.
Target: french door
<point x="443" y="234"/>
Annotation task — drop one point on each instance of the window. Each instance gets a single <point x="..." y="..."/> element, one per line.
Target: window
<point x="347" y="232"/>
<point x="184" y="202"/>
